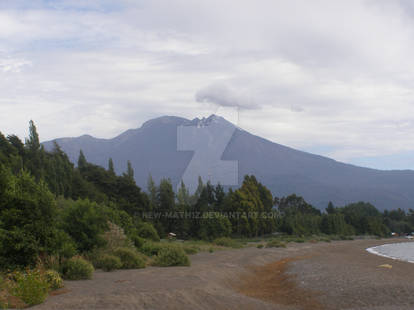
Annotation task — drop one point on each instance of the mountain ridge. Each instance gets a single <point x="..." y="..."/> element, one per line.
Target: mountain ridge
<point x="153" y="149"/>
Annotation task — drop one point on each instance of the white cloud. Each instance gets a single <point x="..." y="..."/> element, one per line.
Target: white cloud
<point x="224" y="96"/>
<point x="327" y="73"/>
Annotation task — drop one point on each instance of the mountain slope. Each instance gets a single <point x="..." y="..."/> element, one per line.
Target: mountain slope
<point x="178" y="148"/>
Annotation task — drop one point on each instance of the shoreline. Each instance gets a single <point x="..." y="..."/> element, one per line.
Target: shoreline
<point x="336" y="275"/>
<point x="374" y="250"/>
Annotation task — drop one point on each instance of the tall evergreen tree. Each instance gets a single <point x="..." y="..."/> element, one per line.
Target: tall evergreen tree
<point x="111" y="166"/>
<point x="82" y="163"/>
<point x="330" y="209"/>
<point x="166" y="203"/>
<point x="183" y="195"/>
<point x="130" y="170"/>
<point x="152" y="192"/>
<point x="33" y="142"/>
<point x="35" y="156"/>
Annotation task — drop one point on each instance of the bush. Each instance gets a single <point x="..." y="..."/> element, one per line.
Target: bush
<point x="53" y="279"/>
<point x="130" y="259"/>
<point x="171" y="256"/>
<point x="260" y="246"/>
<point x="152" y="248"/>
<point x="77" y="268"/>
<point x="30" y="286"/>
<point x="147" y="231"/>
<point x="28" y="219"/>
<point x="109" y="262"/>
<point x="227" y="242"/>
<point x="64" y="244"/>
<point x="137" y="240"/>
<point x="85" y="223"/>
<point x="275" y="244"/>
<point x="115" y="238"/>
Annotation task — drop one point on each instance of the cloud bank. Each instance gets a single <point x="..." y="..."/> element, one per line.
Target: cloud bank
<point x="332" y="77"/>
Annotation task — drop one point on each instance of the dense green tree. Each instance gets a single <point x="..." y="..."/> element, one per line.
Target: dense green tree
<point x="252" y="202"/>
<point x="220" y="195"/>
<point x="335" y="224"/>
<point x="296" y="204"/>
<point x="27" y="219"/>
<point x="165" y="206"/>
<point x="365" y="218"/>
<point x="213" y="226"/>
<point x="85" y="222"/>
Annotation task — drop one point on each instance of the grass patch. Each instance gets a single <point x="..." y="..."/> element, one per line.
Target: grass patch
<point x="228" y="242"/>
<point x="191" y="249"/>
<point x="275" y="244"/>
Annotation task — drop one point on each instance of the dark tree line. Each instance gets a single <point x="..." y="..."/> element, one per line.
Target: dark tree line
<point x="49" y="206"/>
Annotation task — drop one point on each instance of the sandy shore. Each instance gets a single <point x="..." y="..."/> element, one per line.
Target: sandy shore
<point x="337" y="275"/>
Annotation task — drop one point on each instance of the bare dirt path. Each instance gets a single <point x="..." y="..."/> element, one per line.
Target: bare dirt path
<point x="337" y="275"/>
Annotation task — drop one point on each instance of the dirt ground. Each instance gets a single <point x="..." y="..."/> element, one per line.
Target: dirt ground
<point x="336" y="275"/>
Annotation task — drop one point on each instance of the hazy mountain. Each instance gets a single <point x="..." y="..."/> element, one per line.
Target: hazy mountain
<point x="177" y="148"/>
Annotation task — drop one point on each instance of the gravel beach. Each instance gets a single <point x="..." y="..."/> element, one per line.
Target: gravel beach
<point x="336" y="275"/>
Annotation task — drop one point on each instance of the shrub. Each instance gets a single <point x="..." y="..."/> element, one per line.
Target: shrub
<point x="260" y="246"/>
<point x="210" y="250"/>
<point x="171" y="256"/>
<point x="137" y="240"/>
<point x="51" y="262"/>
<point x="275" y="244"/>
<point x="30" y="286"/>
<point x="85" y="223"/>
<point x="130" y="259"/>
<point x="115" y="238"/>
<point x="147" y="231"/>
<point x="152" y="248"/>
<point x="77" y="268"/>
<point x="64" y="244"/>
<point x="223" y="241"/>
<point x="109" y="262"/>
<point x="53" y="279"/>
<point x="325" y="239"/>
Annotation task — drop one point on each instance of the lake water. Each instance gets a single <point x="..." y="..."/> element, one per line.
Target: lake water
<point x="401" y="251"/>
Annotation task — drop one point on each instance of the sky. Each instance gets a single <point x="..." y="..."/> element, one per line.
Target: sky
<point x="333" y="78"/>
